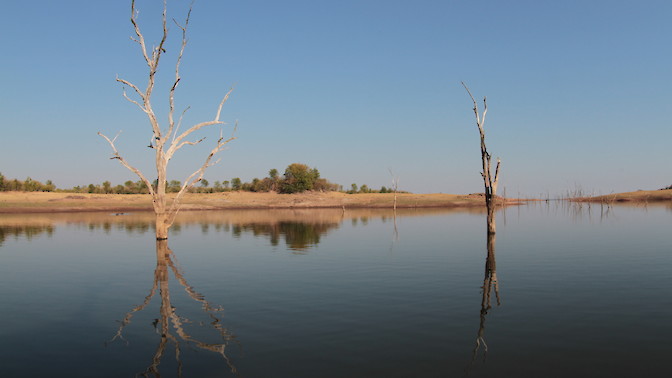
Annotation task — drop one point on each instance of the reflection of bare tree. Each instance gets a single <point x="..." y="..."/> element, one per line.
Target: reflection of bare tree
<point x="490" y="284"/>
<point x="170" y="326"/>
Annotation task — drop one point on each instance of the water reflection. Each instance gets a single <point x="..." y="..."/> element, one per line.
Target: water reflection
<point x="26" y="231"/>
<point x="349" y="307"/>
<point x="490" y="285"/>
<point x="171" y="327"/>
<point x="299" y="236"/>
<point x="300" y="229"/>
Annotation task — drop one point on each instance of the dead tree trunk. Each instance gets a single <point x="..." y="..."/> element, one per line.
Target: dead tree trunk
<point x="165" y="141"/>
<point x="395" y="187"/>
<point x="489" y="180"/>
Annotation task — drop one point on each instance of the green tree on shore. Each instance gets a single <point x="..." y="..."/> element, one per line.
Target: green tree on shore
<point x="299" y="178"/>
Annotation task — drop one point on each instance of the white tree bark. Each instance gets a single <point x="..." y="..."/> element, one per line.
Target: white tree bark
<point x="166" y="141"/>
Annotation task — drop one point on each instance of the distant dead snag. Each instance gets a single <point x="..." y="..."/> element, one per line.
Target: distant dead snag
<point x="489" y="181"/>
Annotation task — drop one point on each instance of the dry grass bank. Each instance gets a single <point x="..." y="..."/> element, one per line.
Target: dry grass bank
<point x="37" y="202"/>
<point x="638" y="196"/>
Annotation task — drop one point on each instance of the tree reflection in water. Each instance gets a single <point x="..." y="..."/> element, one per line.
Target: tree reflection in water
<point x="26" y="231"/>
<point x="171" y="326"/>
<point x="299" y="236"/>
<point x="490" y="284"/>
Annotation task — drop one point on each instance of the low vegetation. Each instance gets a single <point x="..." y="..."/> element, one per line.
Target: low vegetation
<point x="27" y="185"/>
<point x="297" y="178"/>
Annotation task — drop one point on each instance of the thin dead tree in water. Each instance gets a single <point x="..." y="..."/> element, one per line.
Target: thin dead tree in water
<point x="489" y="180"/>
<point x="165" y="141"/>
<point x="170" y="321"/>
<point x="395" y="187"/>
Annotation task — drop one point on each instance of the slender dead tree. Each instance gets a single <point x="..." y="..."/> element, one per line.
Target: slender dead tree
<point x="489" y="180"/>
<point x="395" y="186"/>
<point x="165" y="141"/>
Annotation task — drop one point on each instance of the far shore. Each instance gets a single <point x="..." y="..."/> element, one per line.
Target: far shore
<point x="638" y="196"/>
<point x="57" y="202"/>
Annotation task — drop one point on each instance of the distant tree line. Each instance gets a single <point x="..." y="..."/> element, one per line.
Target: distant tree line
<point x="129" y="187"/>
<point x="27" y="185"/>
<point x="354" y="189"/>
<point x="297" y="178"/>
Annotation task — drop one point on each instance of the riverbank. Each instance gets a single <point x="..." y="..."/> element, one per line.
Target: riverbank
<point x="638" y="196"/>
<point x="49" y="202"/>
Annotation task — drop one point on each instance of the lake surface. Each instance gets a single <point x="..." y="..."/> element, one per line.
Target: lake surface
<point x="567" y="290"/>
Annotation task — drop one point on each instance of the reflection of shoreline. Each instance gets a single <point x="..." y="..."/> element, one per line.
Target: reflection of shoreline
<point x="27" y="231"/>
<point x="50" y="202"/>
<point x="299" y="236"/>
<point x="301" y="229"/>
<point x="224" y="217"/>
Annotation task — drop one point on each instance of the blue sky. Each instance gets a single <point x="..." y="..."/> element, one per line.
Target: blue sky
<point x="579" y="92"/>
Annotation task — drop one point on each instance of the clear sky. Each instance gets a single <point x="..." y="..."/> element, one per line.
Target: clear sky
<point x="579" y="92"/>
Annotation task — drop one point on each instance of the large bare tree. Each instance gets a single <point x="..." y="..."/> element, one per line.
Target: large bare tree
<point x="165" y="140"/>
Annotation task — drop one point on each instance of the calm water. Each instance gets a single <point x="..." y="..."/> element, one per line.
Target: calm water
<point x="568" y="291"/>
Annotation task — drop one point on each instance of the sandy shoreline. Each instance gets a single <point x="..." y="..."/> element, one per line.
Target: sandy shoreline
<point x="638" y="196"/>
<point x="48" y="202"/>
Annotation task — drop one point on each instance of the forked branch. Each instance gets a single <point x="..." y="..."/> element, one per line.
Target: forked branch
<point x="176" y="144"/>
<point x="198" y="174"/>
<point x="123" y="161"/>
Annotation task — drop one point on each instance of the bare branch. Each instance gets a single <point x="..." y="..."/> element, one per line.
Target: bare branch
<point x="189" y="143"/>
<point x="152" y="62"/>
<point x="496" y="180"/>
<point x="171" y="110"/>
<point x="135" y="87"/>
<point x="159" y="49"/>
<point x="198" y="174"/>
<point x="176" y="144"/>
<point x="179" y="122"/>
<point x="133" y="101"/>
<point x="221" y="104"/>
<point x="478" y="120"/>
<point x="141" y="38"/>
<point x="171" y="123"/>
<point x="117" y="156"/>
<point x="468" y="91"/>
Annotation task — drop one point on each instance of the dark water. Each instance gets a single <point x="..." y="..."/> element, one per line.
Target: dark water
<point x="570" y="292"/>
